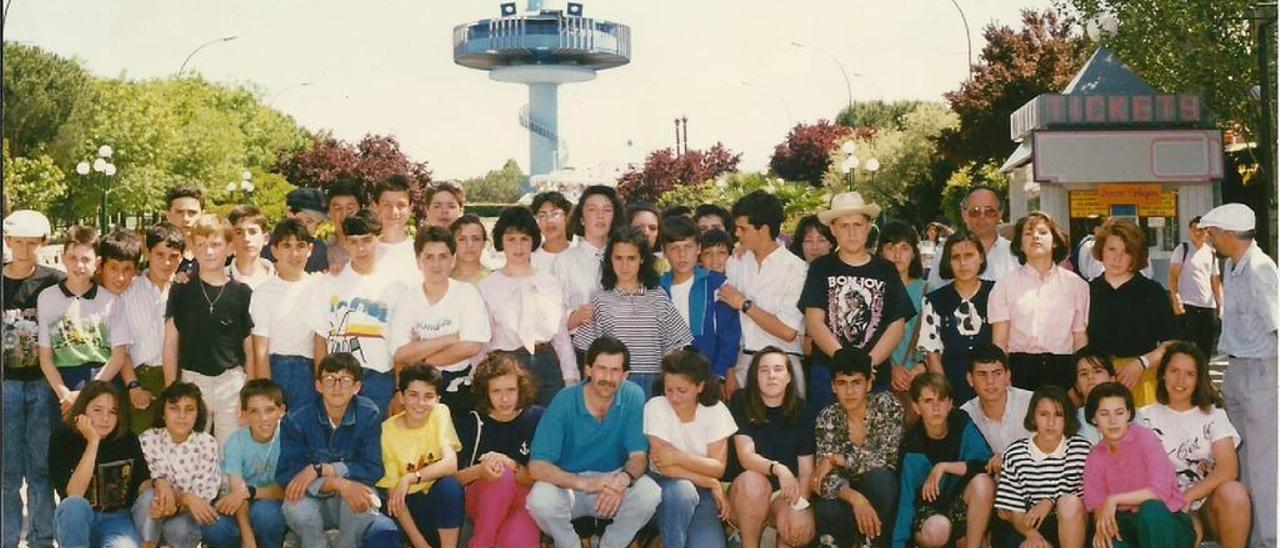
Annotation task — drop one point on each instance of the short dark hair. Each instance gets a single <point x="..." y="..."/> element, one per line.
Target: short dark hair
<point x="674" y="229"/>
<point x="339" y="362"/>
<point x="1194" y="220"/>
<point x="1205" y="396"/>
<point x="575" y="218"/>
<point x="713" y="238"/>
<point x="165" y="233"/>
<point x="807" y="223"/>
<point x="1094" y="356"/>
<point x="792" y="402"/>
<point x="761" y="209"/>
<point x="894" y="232"/>
<point x="640" y="206"/>
<point x="175" y="393"/>
<point x="250" y="213"/>
<point x="82" y="235"/>
<point x="1060" y="247"/>
<point x="497" y="364"/>
<point x="456" y="191"/>
<point x="264" y="388"/>
<point x="466" y="219"/>
<point x="944" y="264"/>
<point x="91" y="392"/>
<point x="183" y="191"/>
<point x="985" y="352"/>
<point x="1107" y="390"/>
<point x="553" y="197"/>
<point x="607" y="344"/>
<point x="851" y="360"/>
<point x="424" y="372"/>
<point x="346" y="187"/>
<point x="713" y="209"/>
<point x="394" y="183"/>
<point x="519" y="219"/>
<point x="1070" y="424"/>
<point x="120" y="245"/>
<point x="430" y="234"/>
<point x="632" y="236"/>
<point x="362" y="222"/>
<point x="290" y="228"/>
<point x="933" y="381"/>
<point x="692" y="365"/>
<point x="677" y="211"/>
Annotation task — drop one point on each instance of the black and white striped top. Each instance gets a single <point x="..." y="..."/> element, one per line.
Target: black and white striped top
<point x="646" y="321"/>
<point x="1028" y="475"/>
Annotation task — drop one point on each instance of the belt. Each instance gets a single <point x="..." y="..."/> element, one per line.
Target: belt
<point x="544" y="346"/>
<point x="753" y="352"/>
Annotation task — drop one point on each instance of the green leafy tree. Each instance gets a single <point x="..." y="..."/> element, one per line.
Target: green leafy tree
<point x="41" y="91"/>
<point x="967" y="177"/>
<point x="876" y="114"/>
<point x="31" y="183"/>
<point x="499" y="186"/>
<point x="798" y="199"/>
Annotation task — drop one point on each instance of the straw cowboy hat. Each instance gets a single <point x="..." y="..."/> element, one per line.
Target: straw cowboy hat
<point x="848" y="203"/>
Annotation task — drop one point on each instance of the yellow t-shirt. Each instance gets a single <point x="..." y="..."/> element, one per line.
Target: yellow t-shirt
<point x="407" y="450"/>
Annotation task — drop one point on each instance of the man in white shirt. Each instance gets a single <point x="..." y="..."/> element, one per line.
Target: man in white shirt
<point x="1000" y="410"/>
<point x="982" y="211"/>
<point x="1195" y="285"/>
<point x="395" y="249"/>
<point x="764" y="285"/>
<point x="283" y="347"/>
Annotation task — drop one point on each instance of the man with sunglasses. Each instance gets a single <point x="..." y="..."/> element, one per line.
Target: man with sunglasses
<point x="982" y="212"/>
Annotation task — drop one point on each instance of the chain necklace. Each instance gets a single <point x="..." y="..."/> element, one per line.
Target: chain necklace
<point x="206" y="295"/>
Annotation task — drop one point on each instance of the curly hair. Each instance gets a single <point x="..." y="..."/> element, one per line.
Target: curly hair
<point x="499" y="364"/>
<point x="175" y="393"/>
<point x="630" y="236"/>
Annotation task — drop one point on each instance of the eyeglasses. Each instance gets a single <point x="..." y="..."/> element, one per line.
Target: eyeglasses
<point x="330" y="381"/>
<point x="977" y="212"/>
<point x="547" y="215"/>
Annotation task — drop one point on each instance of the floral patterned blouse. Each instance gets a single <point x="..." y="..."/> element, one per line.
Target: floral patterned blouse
<point x="191" y="466"/>
<point x="884" y="424"/>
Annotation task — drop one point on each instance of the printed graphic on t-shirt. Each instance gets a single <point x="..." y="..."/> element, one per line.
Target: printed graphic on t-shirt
<point x="855" y="306"/>
<point x="423" y="462"/>
<point x="109" y="486"/>
<point x="351" y="321"/>
<point x="21" y="330"/>
<point x="76" y="340"/>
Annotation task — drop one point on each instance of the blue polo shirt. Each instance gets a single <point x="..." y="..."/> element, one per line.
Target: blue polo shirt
<point x="569" y="437"/>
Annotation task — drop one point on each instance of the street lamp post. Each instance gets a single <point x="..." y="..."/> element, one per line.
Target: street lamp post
<point x="852" y="163"/>
<point x="200" y="47"/>
<point x="245" y="185"/>
<point x="967" y="37"/>
<point x="104" y="170"/>
<point x="848" y="88"/>
<point x="272" y="102"/>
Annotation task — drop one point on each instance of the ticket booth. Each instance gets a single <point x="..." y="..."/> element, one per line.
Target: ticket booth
<point x="1110" y="145"/>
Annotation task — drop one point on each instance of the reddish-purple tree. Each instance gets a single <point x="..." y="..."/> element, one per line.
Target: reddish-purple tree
<point x="663" y="170"/>
<point x="806" y="152"/>
<point x="373" y="159"/>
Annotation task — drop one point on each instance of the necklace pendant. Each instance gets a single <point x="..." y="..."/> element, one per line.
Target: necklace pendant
<point x="211" y="310"/>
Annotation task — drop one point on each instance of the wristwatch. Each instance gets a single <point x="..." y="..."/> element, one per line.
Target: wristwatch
<point x="133" y="384"/>
<point x="746" y="305"/>
<point x="319" y="468"/>
<point x="253" y="492"/>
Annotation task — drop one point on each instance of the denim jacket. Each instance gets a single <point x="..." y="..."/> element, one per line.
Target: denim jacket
<point x="354" y="448"/>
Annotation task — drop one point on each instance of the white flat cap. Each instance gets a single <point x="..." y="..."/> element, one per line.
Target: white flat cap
<point x="1233" y="217"/>
<point x="26" y="223"/>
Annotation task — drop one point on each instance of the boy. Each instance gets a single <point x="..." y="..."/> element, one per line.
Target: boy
<point x="345" y="198"/>
<point x="715" y="327"/>
<point x="183" y="204"/>
<point x="395" y="249"/>
<point x="283" y="346"/>
<point x="206" y="331"/>
<point x="716" y="246"/>
<point x="943" y="496"/>
<point x="306" y="205"/>
<point x="28" y="402"/>
<point x="250" y="507"/>
<point x="144" y="304"/>
<point x="330" y="457"/>
<point x="999" y="410"/>
<point x="249" y="267"/>
<point x="352" y="309"/>
<point x="80" y="327"/>
<point x="119" y="252"/>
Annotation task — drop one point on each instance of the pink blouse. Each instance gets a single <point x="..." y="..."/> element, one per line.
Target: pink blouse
<point x="1138" y="462"/>
<point x="1043" y="313"/>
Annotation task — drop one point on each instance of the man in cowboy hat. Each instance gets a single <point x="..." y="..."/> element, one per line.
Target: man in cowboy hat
<point x="853" y="298"/>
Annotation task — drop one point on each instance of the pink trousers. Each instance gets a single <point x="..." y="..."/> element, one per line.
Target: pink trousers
<point x="496" y="508"/>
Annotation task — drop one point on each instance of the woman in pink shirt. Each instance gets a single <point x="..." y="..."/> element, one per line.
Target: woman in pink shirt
<point x="1129" y="482"/>
<point x="1039" y="311"/>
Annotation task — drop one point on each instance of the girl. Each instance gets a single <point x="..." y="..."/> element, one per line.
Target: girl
<point x="444" y="204"/>
<point x="183" y="459"/>
<point x="899" y="245"/>
<point x="98" y="469"/>
<point x="774" y="445"/>
<point x="688" y="429"/>
<point x="955" y="315"/>
<point x="1093" y="368"/>
<point x="1201" y="443"/>
<point x="598" y="213"/>
<point x="470" y="236"/>
<point x="812" y="239"/>
<point x="495" y="450"/>
<point x="1129" y="482"/>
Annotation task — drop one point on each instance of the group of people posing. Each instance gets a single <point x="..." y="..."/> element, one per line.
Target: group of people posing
<point x="686" y="375"/>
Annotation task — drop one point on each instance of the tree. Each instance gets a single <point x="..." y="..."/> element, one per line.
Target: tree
<point x="967" y="177"/>
<point x="798" y="199"/>
<point x="1014" y="67"/>
<point x="373" y="159"/>
<point x="41" y="91"/>
<point x="872" y="115"/>
<point x="806" y="152"/>
<point x="499" y="186"/>
<point x="663" y="170"/>
<point x="31" y="183"/>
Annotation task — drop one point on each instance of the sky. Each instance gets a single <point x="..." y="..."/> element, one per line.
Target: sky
<point x="386" y="66"/>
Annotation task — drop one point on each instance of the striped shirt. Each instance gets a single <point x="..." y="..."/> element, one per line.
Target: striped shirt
<point x="646" y="321"/>
<point x="1029" y="475"/>
<point x="144" y="305"/>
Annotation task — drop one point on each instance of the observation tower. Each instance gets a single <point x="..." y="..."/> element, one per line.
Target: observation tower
<point x="542" y="48"/>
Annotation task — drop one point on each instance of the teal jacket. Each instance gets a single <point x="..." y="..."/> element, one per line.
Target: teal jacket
<point x="963" y="443"/>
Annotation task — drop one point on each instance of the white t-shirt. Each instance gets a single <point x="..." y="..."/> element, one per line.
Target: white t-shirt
<point x="461" y="311"/>
<point x="1010" y="427"/>
<point x="1195" y="280"/>
<point x="276" y="307"/>
<point x="710" y="424"/>
<point x="542" y="259"/>
<point x="680" y="297"/>
<point x="1188" y="436"/>
<point x="399" y="261"/>
<point x="352" y="310"/>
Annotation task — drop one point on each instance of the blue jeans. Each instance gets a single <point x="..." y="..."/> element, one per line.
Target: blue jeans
<point x="440" y="507"/>
<point x="646" y="381"/>
<point x="687" y="515"/>
<point x="30" y="411"/>
<point x="310" y="517"/>
<point x="80" y="526"/>
<point x="296" y="377"/>
<point x="265" y="517"/>
<point x="834" y="517"/>
<point x="378" y="387"/>
<point x="179" y="530"/>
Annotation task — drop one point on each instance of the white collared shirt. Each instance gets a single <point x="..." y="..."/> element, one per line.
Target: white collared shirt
<point x="774" y="286"/>
<point x="578" y="270"/>
<point x="1008" y="429"/>
<point x="144" y="305"/>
